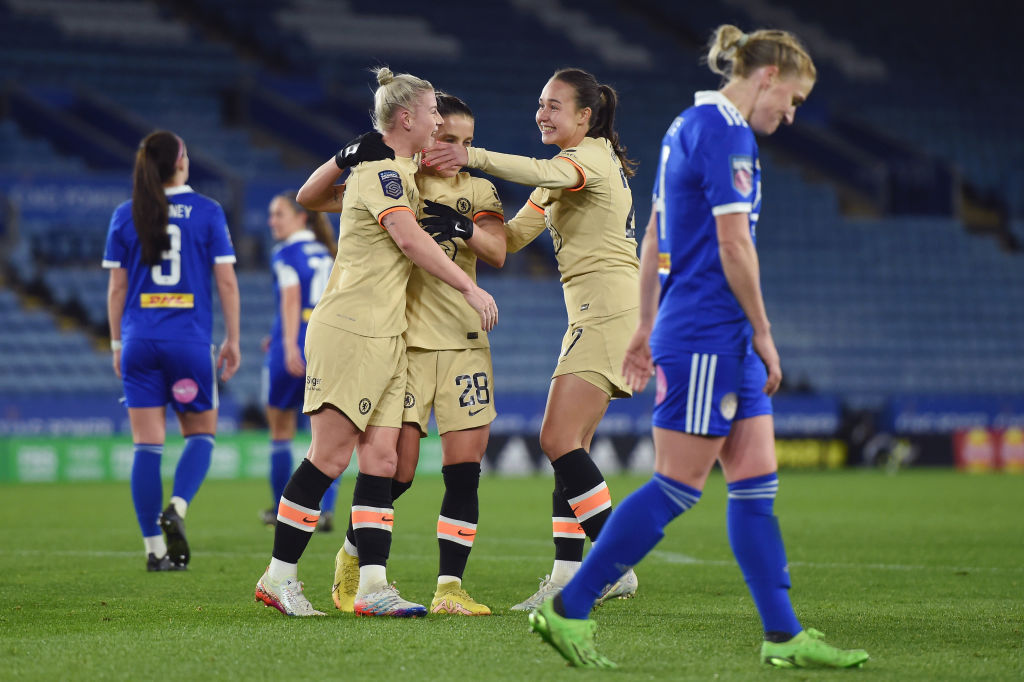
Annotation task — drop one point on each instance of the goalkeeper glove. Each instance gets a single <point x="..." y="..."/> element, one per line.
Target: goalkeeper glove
<point x="367" y="147"/>
<point x="446" y="223"/>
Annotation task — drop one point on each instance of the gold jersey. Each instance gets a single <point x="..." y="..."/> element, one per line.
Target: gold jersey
<point x="438" y="316"/>
<point x="591" y="222"/>
<point x="365" y="294"/>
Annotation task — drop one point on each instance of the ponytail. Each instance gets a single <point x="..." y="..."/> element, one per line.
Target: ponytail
<point x="602" y="101"/>
<point x="155" y="163"/>
<point x="735" y="54"/>
<point x="316" y="222"/>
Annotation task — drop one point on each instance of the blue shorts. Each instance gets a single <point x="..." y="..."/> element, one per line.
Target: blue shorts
<point x="281" y="389"/>
<point x="703" y="393"/>
<point x="155" y="373"/>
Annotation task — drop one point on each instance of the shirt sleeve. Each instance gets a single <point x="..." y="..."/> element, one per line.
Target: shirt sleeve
<point x="726" y="156"/>
<point x="486" y="200"/>
<point x="220" y="248"/>
<point x="384" y="189"/>
<point x="114" y="253"/>
<point x="286" y="275"/>
<point x="528" y="223"/>
<point x="557" y="173"/>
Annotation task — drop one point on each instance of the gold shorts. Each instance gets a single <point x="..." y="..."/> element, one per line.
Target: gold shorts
<point x="593" y="349"/>
<point x="362" y="376"/>
<point x="457" y="383"/>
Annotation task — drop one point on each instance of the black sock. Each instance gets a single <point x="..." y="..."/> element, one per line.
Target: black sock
<point x="397" y="488"/>
<point x="299" y="511"/>
<point x="372" y="518"/>
<point x="460" y="511"/>
<point x="566" y="531"/>
<point x="585" y="489"/>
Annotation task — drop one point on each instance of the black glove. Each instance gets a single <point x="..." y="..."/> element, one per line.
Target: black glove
<point x="447" y="223"/>
<point x="367" y="147"/>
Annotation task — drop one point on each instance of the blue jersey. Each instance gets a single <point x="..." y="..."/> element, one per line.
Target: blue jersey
<point x="709" y="167"/>
<point x="299" y="260"/>
<point x="171" y="300"/>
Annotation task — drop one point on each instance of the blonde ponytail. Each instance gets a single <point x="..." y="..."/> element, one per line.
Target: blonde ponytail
<point x="735" y="54"/>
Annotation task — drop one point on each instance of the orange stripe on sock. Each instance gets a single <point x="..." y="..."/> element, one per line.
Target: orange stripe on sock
<point x="601" y="497"/>
<point x="466" y="533"/>
<point x="384" y="518"/>
<point x="307" y="520"/>
<point x="567" y="527"/>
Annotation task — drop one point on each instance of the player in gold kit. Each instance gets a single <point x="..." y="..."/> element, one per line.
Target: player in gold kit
<point x="356" y="362"/>
<point x="449" y="361"/>
<point x="584" y="201"/>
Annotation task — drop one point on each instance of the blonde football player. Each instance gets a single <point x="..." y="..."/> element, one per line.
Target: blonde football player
<point x="449" y="361"/>
<point x="355" y="355"/>
<point x="584" y="201"/>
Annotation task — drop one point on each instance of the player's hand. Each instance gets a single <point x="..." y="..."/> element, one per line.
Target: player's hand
<point x="484" y="305"/>
<point x="445" y="156"/>
<point x="445" y="222"/>
<point x="764" y="346"/>
<point x="228" y="360"/>
<point x="367" y="147"/>
<point x="293" y="361"/>
<point x="637" y="366"/>
<point x="117" y="362"/>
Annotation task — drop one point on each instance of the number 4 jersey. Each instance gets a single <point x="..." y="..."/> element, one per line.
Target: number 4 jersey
<point x="172" y="299"/>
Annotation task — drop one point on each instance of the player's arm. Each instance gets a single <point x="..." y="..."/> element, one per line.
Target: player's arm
<point x="321" y="191"/>
<point x="230" y="356"/>
<point x="525" y="226"/>
<point x="117" y="293"/>
<point x="556" y="173"/>
<point x="291" y="320"/>
<point x="418" y="246"/>
<point x="488" y="241"/>
<point x="637" y="366"/>
<point x="742" y="271"/>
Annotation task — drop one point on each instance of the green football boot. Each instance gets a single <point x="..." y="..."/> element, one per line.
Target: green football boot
<point x="570" y="637"/>
<point x="809" y="650"/>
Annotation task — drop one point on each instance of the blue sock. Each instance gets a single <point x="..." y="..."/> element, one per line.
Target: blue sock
<point x="757" y="543"/>
<point x="280" y="468"/>
<point x="633" y="530"/>
<point x="147" y="487"/>
<point x="330" y="497"/>
<point x="193" y="465"/>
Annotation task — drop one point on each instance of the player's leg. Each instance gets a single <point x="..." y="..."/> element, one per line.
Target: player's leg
<point x="281" y="423"/>
<point x="580" y="501"/>
<point x="462" y="452"/>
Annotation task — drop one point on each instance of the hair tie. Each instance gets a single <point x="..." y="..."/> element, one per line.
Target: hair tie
<point x="181" y="149"/>
<point x="742" y="40"/>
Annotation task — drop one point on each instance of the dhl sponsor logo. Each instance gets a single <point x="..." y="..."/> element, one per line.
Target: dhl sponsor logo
<point x="664" y="263"/>
<point x="169" y="300"/>
<point x="306" y="313"/>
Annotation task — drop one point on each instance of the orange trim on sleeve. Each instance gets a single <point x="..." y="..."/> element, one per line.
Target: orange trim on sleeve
<point x="499" y="216"/>
<point x="529" y="202"/>
<point x="581" y="172"/>
<point x="380" y="218"/>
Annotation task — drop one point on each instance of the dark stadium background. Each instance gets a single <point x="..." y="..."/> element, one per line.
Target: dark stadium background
<point x="890" y="240"/>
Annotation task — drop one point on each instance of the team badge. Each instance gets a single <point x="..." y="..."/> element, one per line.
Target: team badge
<point x="742" y="168"/>
<point x="728" y="405"/>
<point x="365" y="405"/>
<point x="462" y="206"/>
<point x="391" y="183"/>
<point x="410" y="400"/>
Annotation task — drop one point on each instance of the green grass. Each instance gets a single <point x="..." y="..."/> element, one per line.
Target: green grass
<point x="925" y="570"/>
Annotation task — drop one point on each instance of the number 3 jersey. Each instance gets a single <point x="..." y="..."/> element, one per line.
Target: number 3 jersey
<point x="438" y="315"/>
<point x="172" y="299"/>
<point x="302" y="261"/>
<point x="709" y="167"/>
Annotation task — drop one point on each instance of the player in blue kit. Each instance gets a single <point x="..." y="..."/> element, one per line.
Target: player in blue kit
<point x="711" y="351"/>
<point x="301" y="263"/>
<point x="161" y="249"/>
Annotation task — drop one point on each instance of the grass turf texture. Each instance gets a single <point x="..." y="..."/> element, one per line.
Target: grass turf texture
<point x="925" y="570"/>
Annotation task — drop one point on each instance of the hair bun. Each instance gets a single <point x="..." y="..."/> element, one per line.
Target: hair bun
<point x="384" y="76"/>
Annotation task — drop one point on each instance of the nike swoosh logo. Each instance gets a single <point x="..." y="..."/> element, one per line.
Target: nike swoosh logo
<point x="306" y="519"/>
<point x="473" y="413"/>
<point x="466" y="535"/>
<point x="575" y="510"/>
<point x="387" y="519"/>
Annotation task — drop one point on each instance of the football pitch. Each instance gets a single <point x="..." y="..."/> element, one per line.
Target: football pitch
<point x="924" y="569"/>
